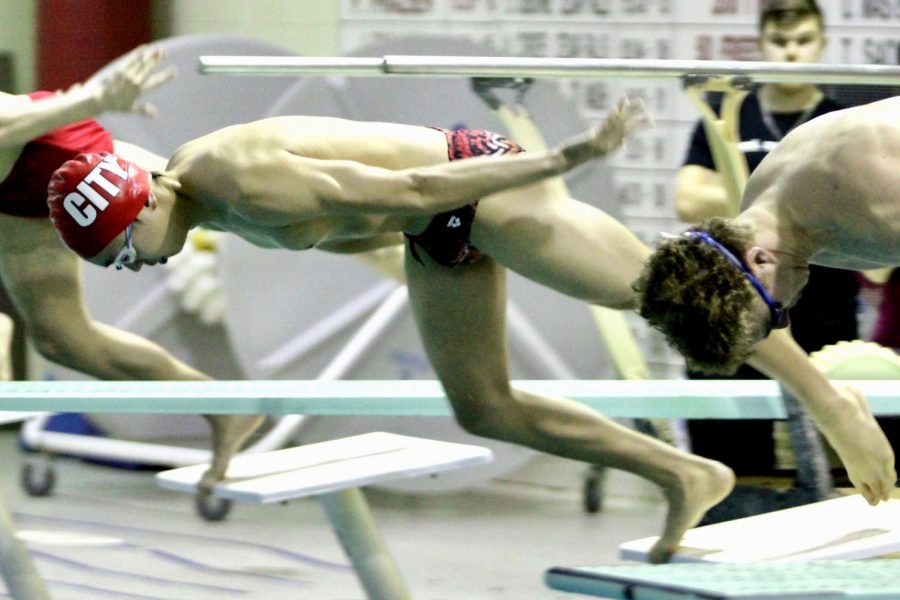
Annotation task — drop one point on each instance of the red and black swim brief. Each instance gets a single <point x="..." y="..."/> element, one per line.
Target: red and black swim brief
<point x="446" y="239"/>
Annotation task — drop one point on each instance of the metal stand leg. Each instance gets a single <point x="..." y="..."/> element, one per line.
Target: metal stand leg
<point x="21" y="577"/>
<point x="813" y="472"/>
<point x="352" y="521"/>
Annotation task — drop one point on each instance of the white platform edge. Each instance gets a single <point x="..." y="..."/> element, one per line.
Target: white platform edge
<point x="435" y="456"/>
<point x="736" y="539"/>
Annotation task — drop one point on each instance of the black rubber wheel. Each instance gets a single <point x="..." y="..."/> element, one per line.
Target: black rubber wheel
<point x="593" y="489"/>
<point x="38" y="479"/>
<point x="212" y="508"/>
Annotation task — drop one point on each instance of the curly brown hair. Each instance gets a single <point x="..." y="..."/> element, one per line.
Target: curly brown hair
<point x="700" y="301"/>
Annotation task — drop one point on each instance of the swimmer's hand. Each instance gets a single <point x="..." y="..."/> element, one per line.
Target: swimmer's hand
<point x="863" y="448"/>
<point x="128" y="79"/>
<point x="623" y="120"/>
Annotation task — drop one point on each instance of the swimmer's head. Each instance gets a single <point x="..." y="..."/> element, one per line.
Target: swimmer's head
<point x="711" y="307"/>
<point x="93" y="198"/>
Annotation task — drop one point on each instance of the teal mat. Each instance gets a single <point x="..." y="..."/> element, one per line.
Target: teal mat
<point x="817" y="580"/>
<point x="731" y="399"/>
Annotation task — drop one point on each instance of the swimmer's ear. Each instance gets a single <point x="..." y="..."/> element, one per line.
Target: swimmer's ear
<point x="757" y="256"/>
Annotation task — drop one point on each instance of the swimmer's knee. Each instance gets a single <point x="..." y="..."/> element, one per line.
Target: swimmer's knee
<point x="51" y="347"/>
<point x="56" y="344"/>
<point x="483" y="411"/>
<point x="473" y="421"/>
<point x="43" y="337"/>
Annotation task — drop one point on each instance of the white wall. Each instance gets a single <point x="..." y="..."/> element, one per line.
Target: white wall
<point x="18" y="35"/>
<point x="309" y="27"/>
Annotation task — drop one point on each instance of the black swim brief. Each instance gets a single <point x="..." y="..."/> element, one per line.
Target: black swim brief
<point x="446" y="239"/>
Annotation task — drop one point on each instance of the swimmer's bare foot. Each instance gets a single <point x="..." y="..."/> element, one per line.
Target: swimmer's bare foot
<point x="700" y="487"/>
<point x="229" y="432"/>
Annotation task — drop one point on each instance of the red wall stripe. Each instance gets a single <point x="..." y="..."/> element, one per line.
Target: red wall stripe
<point x="77" y="37"/>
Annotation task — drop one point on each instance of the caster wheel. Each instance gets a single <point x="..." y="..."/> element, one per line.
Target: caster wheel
<point x="38" y="479"/>
<point x="593" y="490"/>
<point x="212" y="508"/>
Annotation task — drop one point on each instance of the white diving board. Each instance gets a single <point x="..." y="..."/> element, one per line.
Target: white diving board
<point x="845" y="528"/>
<point x="333" y="471"/>
<point x="731" y="399"/>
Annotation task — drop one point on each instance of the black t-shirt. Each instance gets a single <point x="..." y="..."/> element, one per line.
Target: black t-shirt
<point x="826" y="312"/>
<point x="756" y="139"/>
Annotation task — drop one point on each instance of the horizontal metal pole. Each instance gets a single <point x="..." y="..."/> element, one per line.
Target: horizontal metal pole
<point x="615" y="398"/>
<point x="291" y="65"/>
<point x="489" y="66"/>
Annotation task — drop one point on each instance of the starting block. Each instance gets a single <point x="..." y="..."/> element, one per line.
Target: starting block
<point x="845" y="528"/>
<point x="804" y="553"/>
<point x="877" y="579"/>
<point x="334" y="471"/>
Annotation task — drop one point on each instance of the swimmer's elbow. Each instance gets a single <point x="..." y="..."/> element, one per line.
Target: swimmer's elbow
<point x="384" y="192"/>
<point x="419" y="192"/>
<point x="350" y="189"/>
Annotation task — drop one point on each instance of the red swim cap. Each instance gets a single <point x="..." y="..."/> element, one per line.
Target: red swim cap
<point x="93" y="198"/>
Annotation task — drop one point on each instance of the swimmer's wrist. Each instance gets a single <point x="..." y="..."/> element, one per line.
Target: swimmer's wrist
<point x="87" y="97"/>
<point x="578" y="150"/>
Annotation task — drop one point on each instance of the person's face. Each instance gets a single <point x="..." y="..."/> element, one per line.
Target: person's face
<point x="125" y="251"/>
<point x="795" y="41"/>
<point x="766" y="321"/>
<point x="142" y="242"/>
<point x="768" y="313"/>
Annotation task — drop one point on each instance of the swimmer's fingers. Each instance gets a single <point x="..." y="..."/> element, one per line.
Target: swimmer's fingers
<point x="137" y="75"/>
<point x="147" y="61"/>
<point x="869" y="494"/>
<point x="142" y="66"/>
<point x="889" y="483"/>
<point x="157" y="79"/>
<point x="145" y="108"/>
<point x="635" y="115"/>
<point x="624" y="119"/>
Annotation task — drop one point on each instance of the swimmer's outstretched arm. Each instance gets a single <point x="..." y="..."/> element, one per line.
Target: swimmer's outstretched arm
<point x="22" y="120"/>
<point x="298" y="187"/>
<point x="841" y="414"/>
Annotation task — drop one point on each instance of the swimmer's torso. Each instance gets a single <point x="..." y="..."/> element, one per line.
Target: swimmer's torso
<point x="838" y="178"/>
<point x="218" y="168"/>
